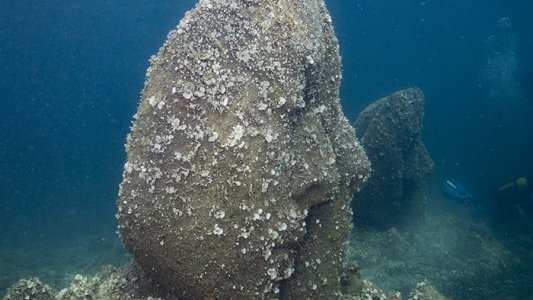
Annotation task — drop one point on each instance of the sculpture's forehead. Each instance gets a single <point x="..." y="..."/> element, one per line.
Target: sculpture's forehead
<point x="227" y="112"/>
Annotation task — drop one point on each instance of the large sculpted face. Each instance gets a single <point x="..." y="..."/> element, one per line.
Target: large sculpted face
<point x="240" y="163"/>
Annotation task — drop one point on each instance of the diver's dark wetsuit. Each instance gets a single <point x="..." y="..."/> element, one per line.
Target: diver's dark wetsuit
<point x="513" y="206"/>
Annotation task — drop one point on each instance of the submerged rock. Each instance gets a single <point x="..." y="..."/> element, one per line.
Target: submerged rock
<point x="455" y="255"/>
<point x="355" y="287"/>
<point x="109" y="283"/>
<point x="425" y="291"/>
<point x="31" y="288"/>
<point x="389" y="130"/>
<point x="241" y="165"/>
<point x="128" y="283"/>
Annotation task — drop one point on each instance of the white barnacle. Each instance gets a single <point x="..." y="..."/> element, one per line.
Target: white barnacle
<point x="200" y="93"/>
<point x="267" y="253"/>
<point x="292" y="213"/>
<point x="228" y="28"/>
<point x="152" y="101"/>
<point x="235" y="136"/>
<point x="218" y="230"/>
<point x="244" y="234"/>
<point x="269" y="135"/>
<point x="225" y="101"/>
<point x="187" y="95"/>
<point x="177" y="212"/>
<point x="288" y="272"/>
<point x="175" y="123"/>
<point x="170" y="190"/>
<point x="264" y="187"/>
<point x="262" y="106"/>
<point x="273" y="233"/>
<point x="210" y="81"/>
<point x="219" y="214"/>
<point x="320" y="109"/>
<point x="213" y="136"/>
<point x="298" y="101"/>
<point x="281" y="102"/>
<point x="128" y="167"/>
<point x="272" y="273"/>
<point x="157" y="148"/>
<point x="244" y="55"/>
<point x="178" y="155"/>
<point x="263" y="88"/>
<point x="216" y="68"/>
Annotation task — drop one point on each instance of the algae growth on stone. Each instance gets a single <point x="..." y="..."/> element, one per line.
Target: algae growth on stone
<point x="241" y="165"/>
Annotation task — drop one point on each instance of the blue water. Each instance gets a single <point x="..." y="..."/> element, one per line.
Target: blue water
<point x="71" y="73"/>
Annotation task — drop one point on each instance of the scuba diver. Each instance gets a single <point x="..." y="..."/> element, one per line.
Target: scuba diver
<point x="512" y="206"/>
<point x="456" y="191"/>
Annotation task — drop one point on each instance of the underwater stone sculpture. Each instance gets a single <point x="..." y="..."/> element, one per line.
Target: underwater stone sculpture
<point x="389" y="130"/>
<point x="241" y="165"/>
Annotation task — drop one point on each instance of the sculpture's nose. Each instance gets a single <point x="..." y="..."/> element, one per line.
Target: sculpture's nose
<point x="315" y="174"/>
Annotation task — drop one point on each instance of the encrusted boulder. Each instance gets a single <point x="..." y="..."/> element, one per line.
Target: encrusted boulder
<point x="110" y="283"/>
<point x="30" y="288"/>
<point x="241" y="165"/>
<point x="389" y="130"/>
<point x="426" y="291"/>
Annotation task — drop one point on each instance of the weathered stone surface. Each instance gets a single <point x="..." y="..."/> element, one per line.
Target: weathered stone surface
<point x="389" y="130"/>
<point x="241" y="165"/>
